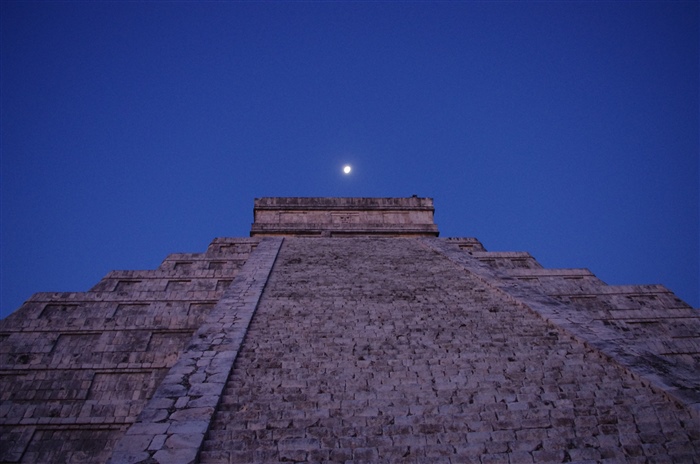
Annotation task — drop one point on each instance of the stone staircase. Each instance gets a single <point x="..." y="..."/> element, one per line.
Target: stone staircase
<point x="384" y="350"/>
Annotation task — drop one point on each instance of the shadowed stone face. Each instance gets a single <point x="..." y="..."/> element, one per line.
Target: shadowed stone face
<point x="76" y="369"/>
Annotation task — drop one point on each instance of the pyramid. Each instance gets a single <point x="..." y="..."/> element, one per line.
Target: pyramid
<point x="347" y="330"/>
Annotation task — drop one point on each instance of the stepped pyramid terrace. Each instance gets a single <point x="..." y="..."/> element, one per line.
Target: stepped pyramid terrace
<point x="347" y="330"/>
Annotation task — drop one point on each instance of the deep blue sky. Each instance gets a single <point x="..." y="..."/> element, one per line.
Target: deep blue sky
<point x="132" y="130"/>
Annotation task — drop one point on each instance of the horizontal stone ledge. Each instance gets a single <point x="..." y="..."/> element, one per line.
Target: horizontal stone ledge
<point x="137" y="297"/>
<point x="361" y="203"/>
<point x="73" y="330"/>
<point x="545" y="272"/>
<point x="640" y="319"/>
<point x="178" y="274"/>
<point x="72" y="421"/>
<point x="500" y="254"/>
<point x="340" y="226"/>
<point x="97" y="368"/>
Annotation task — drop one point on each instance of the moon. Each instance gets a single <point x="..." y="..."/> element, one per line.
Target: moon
<point x="347" y="168"/>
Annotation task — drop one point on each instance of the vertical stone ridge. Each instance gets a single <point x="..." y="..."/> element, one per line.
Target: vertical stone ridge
<point x="172" y="426"/>
<point x="580" y="325"/>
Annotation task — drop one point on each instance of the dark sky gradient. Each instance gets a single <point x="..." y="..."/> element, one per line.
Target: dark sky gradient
<point x="132" y="130"/>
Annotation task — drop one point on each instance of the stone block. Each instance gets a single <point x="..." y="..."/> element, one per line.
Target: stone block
<point x="176" y="456"/>
<point x="183" y="440"/>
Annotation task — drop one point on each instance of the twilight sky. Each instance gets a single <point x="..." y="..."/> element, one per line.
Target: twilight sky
<point x="130" y="130"/>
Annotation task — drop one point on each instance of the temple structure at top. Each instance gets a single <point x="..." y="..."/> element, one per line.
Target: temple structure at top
<point x="344" y="217"/>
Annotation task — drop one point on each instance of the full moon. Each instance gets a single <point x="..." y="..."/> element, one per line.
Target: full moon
<point x="347" y="168"/>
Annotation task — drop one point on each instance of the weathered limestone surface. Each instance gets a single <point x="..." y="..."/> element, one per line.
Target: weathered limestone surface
<point x="344" y="216"/>
<point x="646" y="328"/>
<point x="76" y="369"/>
<point x="385" y="350"/>
<point x="171" y="427"/>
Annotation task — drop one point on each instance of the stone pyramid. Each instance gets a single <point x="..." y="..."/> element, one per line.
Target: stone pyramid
<point x="345" y="330"/>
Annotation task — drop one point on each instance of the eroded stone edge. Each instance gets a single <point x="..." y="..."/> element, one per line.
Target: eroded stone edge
<point x="172" y="425"/>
